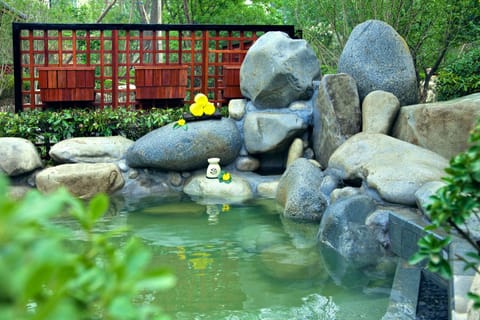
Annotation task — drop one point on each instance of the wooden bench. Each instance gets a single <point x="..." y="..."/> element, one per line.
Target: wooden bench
<point x="66" y="84"/>
<point x="160" y="82"/>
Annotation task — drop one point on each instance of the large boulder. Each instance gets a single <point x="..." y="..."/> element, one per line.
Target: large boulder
<point x="147" y="182"/>
<point x="268" y="132"/>
<point x="336" y="115"/>
<point x="90" y="149"/>
<point x="442" y="127"/>
<point x="18" y="156"/>
<point x="177" y="149"/>
<point x="278" y="70"/>
<point x="379" y="111"/>
<point x="395" y="168"/>
<point x="83" y="180"/>
<point x="299" y="191"/>
<point x="343" y="228"/>
<point x="378" y="58"/>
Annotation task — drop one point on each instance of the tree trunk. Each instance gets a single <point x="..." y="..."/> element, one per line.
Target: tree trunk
<point x="156" y="13"/>
<point x="186" y="11"/>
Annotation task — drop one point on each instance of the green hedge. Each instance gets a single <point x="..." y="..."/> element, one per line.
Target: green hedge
<point x="45" y="128"/>
<point x="460" y="78"/>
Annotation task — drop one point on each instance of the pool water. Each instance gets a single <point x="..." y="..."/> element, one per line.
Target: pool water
<point x="246" y="262"/>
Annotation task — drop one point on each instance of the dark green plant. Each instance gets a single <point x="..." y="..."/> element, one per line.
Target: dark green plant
<point x="461" y="77"/>
<point x="45" y="128"/>
<point x="46" y="274"/>
<point x="451" y="208"/>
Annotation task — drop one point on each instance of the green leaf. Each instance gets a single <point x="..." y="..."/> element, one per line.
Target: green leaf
<point x="122" y="308"/>
<point x="417" y="258"/>
<point x="159" y="279"/>
<point x="475" y="298"/>
<point x="97" y="207"/>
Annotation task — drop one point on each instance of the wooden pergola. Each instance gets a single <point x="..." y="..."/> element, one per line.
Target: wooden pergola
<point x="129" y="65"/>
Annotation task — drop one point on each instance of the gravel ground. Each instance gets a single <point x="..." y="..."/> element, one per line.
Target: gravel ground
<point x="432" y="301"/>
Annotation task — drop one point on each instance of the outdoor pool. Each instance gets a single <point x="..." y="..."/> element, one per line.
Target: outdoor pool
<point x="245" y="262"/>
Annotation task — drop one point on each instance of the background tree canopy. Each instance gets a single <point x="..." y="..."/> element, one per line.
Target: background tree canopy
<point x="437" y="32"/>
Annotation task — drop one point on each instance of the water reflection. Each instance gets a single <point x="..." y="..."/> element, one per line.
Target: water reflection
<point x="247" y="263"/>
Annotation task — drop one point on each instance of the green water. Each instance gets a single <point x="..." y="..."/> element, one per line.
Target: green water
<point x="245" y="262"/>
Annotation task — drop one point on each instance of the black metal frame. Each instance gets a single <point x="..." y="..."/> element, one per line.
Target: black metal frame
<point x="17" y="28"/>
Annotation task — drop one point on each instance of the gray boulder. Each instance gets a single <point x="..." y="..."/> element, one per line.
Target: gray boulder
<point x="295" y="151"/>
<point x="299" y="192"/>
<point x="267" y="189"/>
<point x="90" y="149"/>
<point x="443" y="127"/>
<point x="343" y="229"/>
<point x="238" y="190"/>
<point x="378" y="58"/>
<point x="379" y="111"/>
<point x="237" y="108"/>
<point x="18" y="156"/>
<point x="336" y="115"/>
<point x="141" y="183"/>
<point x="177" y="149"/>
<point x="395" y="169"/>
<point x="83" y="180"/>
<point x="247" y="163"/>
<point x="278" y="70"/>
<point x="271" y="131"/>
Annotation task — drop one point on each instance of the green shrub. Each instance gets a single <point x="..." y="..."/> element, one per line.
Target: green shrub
<point x="460" y="78"/>
<point x="46" y="274"/>
<point x="450" y="208"/>
<point x="45" y="128"/>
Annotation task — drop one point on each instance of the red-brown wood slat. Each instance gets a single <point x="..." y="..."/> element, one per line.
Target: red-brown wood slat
<point x="63" y="84"/>
<point x="139" y="77"/>
<point x="231" y="81"/>
<point x="52" y="79"/>
<point x="160" y="82"/>
<point x="71" y="78"/>
<point x="148" y="77"/>
<point x="42" y="78"/>
<point x="62" y="79"/>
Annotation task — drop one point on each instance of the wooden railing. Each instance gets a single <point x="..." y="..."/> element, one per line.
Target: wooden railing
<point x="211" y="55"/>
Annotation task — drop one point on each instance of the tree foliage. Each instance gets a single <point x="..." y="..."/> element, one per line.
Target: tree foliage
<point x="461" y="77"/>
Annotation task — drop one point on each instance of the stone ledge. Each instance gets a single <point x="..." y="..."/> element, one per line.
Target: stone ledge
<point x="405" y="290"/>
<point x="406" y="229"/>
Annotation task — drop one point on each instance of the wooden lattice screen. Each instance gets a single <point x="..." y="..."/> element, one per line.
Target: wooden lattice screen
<point x="102" y="64"/>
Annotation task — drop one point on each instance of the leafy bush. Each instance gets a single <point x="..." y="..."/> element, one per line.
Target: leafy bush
<point x="460" y="78"/>
<point x="450" y="209"/>
<point x="46" y="275"/>
<point x="45" y="128"/>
